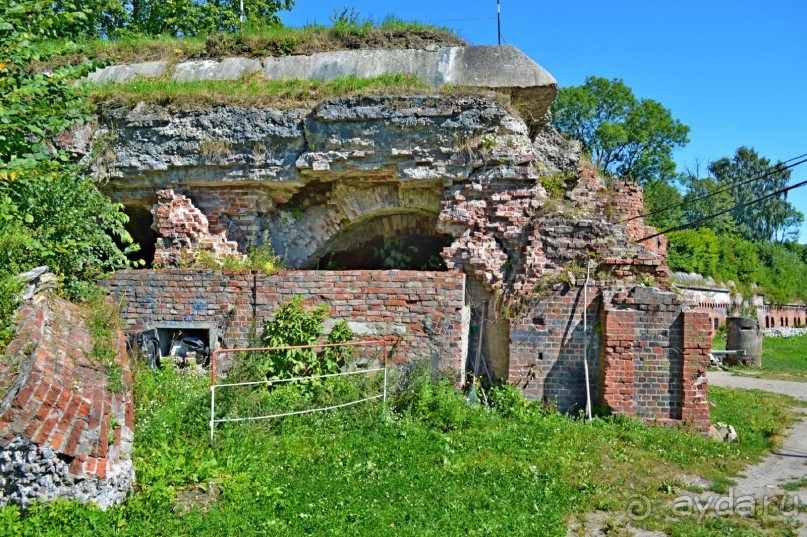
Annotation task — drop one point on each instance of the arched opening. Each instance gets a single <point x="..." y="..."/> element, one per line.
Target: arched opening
<point x="391" y="241"/>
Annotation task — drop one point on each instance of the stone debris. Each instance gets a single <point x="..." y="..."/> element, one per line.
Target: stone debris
<point x="722" y="432"/>
<point x="784" y="332"/>
<point x="37" y="281"/>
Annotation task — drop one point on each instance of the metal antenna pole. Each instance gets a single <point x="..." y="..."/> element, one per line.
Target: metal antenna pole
<point x="241" y="17"/>
<point x="499" y="19"/>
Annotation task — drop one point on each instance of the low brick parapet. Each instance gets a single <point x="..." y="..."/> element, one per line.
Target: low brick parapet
<point x="423" y="309"/>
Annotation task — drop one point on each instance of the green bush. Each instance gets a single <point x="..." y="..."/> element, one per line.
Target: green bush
<point x="777" y="269"/>
<point x="50" y="212"/>
<point x="509" y="401"/>
<point x="57" y="217"/>
<point x="294" y="324"/>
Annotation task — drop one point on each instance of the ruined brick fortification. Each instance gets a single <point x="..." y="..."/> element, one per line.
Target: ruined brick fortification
<point x="654" y="357"/>
<point x="719" y="301"/>
<point x="527" y="266"/>
<point x="63" y="433"/>
<point x="503" y="202"/>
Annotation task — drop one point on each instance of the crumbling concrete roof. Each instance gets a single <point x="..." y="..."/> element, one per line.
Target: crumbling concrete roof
<point x="501" y="68"/>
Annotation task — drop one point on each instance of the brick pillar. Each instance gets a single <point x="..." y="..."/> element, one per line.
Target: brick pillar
<point x="616" y="366"/>
<point x="697" y="346"/>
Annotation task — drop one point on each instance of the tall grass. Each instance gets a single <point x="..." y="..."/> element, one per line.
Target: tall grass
<point x="249" y="91"/>
<point x="433" y="466"/>
<point x="389" y="33"/>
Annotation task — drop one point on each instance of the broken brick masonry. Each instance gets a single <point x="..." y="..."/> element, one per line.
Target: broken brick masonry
<point x="63" y="431"/>
<point x="520" y="221"/>
<point x="521" y="218"/>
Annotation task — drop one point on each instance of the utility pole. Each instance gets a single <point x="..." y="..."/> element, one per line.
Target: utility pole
<point x="499" y="19"/>
<point x="241" y="16"/>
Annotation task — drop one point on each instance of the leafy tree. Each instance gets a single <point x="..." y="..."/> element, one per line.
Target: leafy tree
<point x="782" y="274"/>
<point x="50" y="213"/>
<point x="659" y="195"/>
<point x="178" y="18"/>
<point x="692" y="250"/>
<point x="33" y="106"/>
<point x="625" y="136"/>
<point x="702" y="199"/>
<point x="773" y="219"/>
<point x="775" y="270"/>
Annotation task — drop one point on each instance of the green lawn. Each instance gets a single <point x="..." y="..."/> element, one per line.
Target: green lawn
<point x="434" y="467"/>
<point x="782" y="358"/>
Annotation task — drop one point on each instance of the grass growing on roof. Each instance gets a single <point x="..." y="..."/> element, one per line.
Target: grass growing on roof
<point x="389" y="33"/>
<point x="255" y="91"/>
<point x="249" y="91"/>
<point x="438" y="467"/>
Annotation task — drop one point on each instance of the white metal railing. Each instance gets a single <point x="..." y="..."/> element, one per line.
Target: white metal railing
<point x="214" y="386"/>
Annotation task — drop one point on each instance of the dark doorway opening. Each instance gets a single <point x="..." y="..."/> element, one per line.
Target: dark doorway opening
<point x="139" y="227"/>
<point x="406" y="252"/>
<point x="394" y="241"/>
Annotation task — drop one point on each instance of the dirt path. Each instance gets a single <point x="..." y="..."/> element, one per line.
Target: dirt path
<point x="758" y="487"/>
<point x="763" y="481"/>
<point x="793" y="389"/>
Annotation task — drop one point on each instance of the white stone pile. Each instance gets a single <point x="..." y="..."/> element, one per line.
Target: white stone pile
<point x="784" y="332"/>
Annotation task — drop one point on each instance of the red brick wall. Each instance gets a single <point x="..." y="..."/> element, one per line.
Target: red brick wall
<point x="654" y="356"/>
<point x="788" y="315"/>
<point x="628" y="198"/>
<point x="427" y="305"/>
<point x="647" y="355"/>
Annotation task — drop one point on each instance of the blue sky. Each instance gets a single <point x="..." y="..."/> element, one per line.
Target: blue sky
<point x="734" y="71"/>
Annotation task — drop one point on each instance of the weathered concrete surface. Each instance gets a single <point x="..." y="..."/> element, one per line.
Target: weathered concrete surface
<point x="126" y="73"/>
<point x="369" y="156"/>
<point x="226" y="69"/>
<point x="501" y="68"/>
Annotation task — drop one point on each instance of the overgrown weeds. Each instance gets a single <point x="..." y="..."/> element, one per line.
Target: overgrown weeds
<point x="259" y="257"/>
<point x="391" y="33"/>
<point x="250" y="91"/>
<point x="10" y="288"/>
<point x="435" y="462"/>
<point x="103" y="321"/>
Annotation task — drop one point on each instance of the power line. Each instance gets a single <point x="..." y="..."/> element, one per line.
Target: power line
<point x="778" y="168"/>
<point x="724" y="211"/>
